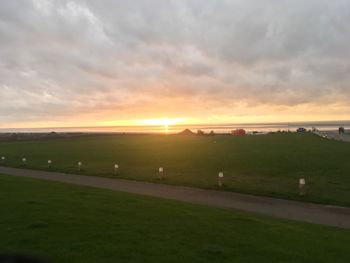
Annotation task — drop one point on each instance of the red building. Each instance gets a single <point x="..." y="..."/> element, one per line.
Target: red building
<point x="239" y="132"/>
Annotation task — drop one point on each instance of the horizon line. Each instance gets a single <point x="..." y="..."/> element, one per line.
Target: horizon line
<point x="330" y="122"/>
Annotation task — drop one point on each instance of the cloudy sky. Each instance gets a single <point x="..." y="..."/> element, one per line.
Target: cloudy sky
<point x="110" y="62"/>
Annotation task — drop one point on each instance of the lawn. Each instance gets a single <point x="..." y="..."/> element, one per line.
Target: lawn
<point x="263" y="165"/>
<point x="66" y="223"/>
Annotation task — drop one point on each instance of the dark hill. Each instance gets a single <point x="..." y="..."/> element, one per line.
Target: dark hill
<point x="186" y="132"/>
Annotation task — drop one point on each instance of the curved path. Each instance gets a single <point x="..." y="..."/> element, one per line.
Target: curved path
<point x="300" y="211"/>
<point x="345" y="137"/>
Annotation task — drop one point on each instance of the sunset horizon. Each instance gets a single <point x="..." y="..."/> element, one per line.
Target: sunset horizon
<point x="161" y="122"/>
<point x="82" y="64"/>
<point x="174" y="131"/>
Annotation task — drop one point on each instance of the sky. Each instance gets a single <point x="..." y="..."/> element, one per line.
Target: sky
<point x="117" y="62"/>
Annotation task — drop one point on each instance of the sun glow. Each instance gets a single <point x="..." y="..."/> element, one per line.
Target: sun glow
<point x="163" y="122"/>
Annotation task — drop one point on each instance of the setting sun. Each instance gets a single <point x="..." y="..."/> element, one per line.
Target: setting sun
<point x="179" y="130"/>
<point x="163" y="122"/>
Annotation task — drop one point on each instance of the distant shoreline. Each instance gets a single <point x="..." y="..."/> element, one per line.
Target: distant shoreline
<point x="34" y="136"/>
<point x="217" y="128"/>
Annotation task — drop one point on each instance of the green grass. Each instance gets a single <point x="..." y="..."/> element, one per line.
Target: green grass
<point x="262" y="165"/>
<point x="67" y="223"/>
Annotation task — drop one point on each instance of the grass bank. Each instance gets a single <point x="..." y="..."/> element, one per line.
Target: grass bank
<point x="262" y="165"/>
<point x="66" y="223"/>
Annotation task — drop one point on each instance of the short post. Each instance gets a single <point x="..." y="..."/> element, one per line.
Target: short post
<point x="79" y="166"/>
<point x="24" y="161"/>
<point x="3" y="158"/>
<point x="49" y="162"/>
<point x="116" y="169"/>
<point x="221" y="179"/>
<point x="302" y="186"/>
<point x="161" y="173"/>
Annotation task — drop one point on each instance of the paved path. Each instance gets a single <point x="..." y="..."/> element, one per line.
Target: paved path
<point x="307" y="212"/>
<point x="345" y="137"/>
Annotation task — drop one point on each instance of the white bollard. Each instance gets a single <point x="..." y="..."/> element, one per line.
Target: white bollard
<point x="161" y="173"/>
<point x="221" y="179"/>
<point x="79" y="166"/>
<point x="302" y="186"/>
<point x="116" y="169"/>
<point x="3" y="158"/>
<point x="49" y="162"/>
<point x="24" y="161"/>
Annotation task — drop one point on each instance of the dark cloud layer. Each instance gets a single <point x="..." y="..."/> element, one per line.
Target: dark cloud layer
<point x="64" y="58"/>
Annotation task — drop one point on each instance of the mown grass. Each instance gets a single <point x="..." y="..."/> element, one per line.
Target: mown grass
<point x="66" y="223"/>
<point x="262" y="165"/>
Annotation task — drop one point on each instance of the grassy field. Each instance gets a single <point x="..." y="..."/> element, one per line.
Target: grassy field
<point x="262" y="165"/>
<point x="66" y="223"/>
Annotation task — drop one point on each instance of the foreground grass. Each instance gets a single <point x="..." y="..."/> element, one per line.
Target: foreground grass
<point x="66" y="223"/>
<point x="262" y="165"/>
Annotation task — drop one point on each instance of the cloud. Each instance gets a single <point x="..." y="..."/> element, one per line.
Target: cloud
<point x="129" y="59"/>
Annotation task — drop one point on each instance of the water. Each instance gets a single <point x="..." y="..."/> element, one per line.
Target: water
<point x="217" y="128"/>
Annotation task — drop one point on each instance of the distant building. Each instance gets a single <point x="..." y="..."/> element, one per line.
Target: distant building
<point x="301" y="129"/>
<point x="239" y="132"/>
<point x="200" y="132"/>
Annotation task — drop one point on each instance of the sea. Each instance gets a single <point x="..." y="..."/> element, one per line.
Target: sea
<point x="172" y="129"/>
